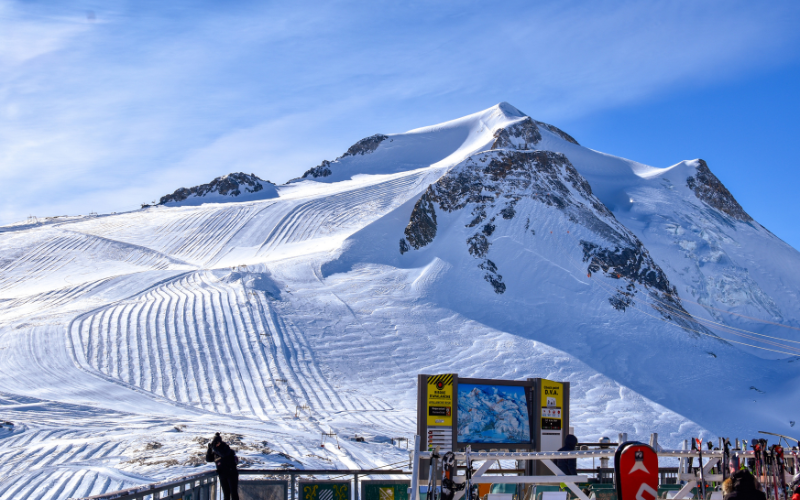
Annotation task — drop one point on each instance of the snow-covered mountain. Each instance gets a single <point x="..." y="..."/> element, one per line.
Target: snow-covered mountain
<point x="494" y="246"/>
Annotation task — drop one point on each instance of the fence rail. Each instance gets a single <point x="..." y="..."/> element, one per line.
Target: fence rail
<point x="202" y="486"/>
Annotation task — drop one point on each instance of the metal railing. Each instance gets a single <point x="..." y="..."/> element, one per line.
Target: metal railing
<point x="690" y="477"/>
<point x="202" y="486"/>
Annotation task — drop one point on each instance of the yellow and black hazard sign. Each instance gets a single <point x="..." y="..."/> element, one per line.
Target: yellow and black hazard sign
<point x="440" y="400"/>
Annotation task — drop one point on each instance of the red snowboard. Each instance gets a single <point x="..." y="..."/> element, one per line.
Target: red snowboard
<point x="636" y="467"/>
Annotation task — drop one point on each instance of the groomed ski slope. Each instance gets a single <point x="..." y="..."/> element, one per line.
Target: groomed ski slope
<point x="126" y="340"/>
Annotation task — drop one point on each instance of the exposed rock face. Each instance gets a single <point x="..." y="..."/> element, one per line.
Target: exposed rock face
<point x="365" y="146"/>
<point x="321" y="170"/>
<point x="362" y="147"/>
<point x="634" y="265"/>
<point x="227" y="185"/>
<point x="710" y="190"/>
<point x="525" y="135"/>
<point x="422" y="228"/>
<point x="521" y="135"/>
<point x="492" y="184"/>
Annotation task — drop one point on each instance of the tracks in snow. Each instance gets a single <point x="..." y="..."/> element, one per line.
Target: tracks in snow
<point x="190" y="234"/>
<point x="204" y="339"/>
<point x="70" y="258"/>
<point x="213" y="344"/>
<point x="339" y="213"/>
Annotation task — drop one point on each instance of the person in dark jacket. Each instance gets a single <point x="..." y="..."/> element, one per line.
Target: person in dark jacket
<point x="568" y="466"/>
<point x="225" y="458"/>
<point x="744" y="487"/>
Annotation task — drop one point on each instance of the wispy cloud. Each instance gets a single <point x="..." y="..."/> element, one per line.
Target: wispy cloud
<point x="138" y="99"/>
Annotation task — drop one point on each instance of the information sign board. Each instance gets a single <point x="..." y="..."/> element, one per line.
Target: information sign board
<point x="552" y="405"/>
<point x="440" y="400"/>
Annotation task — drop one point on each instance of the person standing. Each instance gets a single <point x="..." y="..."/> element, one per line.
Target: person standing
<point x="744" y="487"/>
<point x="568" y="466"/>
<point x="225" y="459"/>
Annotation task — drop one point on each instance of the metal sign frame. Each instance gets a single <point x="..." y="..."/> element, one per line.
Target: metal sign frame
<point x="533" y="394"/>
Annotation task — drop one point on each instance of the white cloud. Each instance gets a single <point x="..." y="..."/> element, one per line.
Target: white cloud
<point x="24" y="37"/>
<point x="143" y="100"/>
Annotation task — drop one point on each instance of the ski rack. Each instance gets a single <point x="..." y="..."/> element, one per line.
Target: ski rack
<point x="558" y="477"/>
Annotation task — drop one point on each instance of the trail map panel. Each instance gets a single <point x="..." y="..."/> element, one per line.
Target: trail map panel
<point x="493" y="414"/>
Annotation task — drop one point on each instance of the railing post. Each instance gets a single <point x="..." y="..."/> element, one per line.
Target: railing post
<point x="355" y="487"/>
<point x="415" y="470"/>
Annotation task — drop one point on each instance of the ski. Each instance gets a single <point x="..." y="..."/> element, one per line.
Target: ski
<point x="756" y="459"/>
<point x="780" y="466"/>
<point x="449" y="486"/>
<point x="726" y="458"/>
<point x="468" y="493"/>
<point x="773" y="470"/>
<point x="702" y="472"/>
<point x="431" y="494"/>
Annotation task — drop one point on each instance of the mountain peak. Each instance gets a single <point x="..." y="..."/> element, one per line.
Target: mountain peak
<point x="509" y="110"/>
<point x="708" y="188"/>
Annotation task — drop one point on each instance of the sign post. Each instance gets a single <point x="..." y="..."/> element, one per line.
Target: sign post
<point x="636" y="468"/>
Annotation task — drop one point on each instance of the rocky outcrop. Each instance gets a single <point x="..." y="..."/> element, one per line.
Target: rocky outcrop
<point x="710" y="190"/>
<point x="521" y="135"/>
<point x="227" y="185"/>
<point x="631" y="263"/>
<point x="364" y="146"/>
<point x="321" y="170"/>
<point x="525" y="135"/>
<point x="421" y="228"/>
<point x="491" y="185"/>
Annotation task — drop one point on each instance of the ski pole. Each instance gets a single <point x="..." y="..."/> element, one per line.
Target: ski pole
<point x="702" y="473"/>
<point x="469" y="474"/>
<point x="782" y="470"/>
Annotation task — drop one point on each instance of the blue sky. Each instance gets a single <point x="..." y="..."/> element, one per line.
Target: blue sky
<point x="106" y="105"/>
